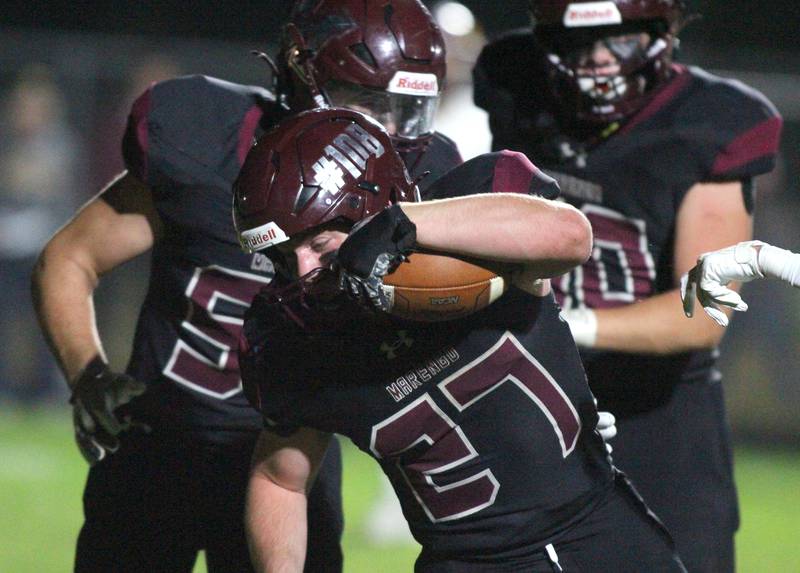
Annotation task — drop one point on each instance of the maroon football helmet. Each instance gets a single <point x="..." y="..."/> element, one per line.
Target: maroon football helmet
<point x="568" y="31"/>
<point x="316" y="167"/>
<point x="385" y="58"/>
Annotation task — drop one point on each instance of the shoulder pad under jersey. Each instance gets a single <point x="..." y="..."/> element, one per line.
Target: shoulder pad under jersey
<point x="193" y="130"/>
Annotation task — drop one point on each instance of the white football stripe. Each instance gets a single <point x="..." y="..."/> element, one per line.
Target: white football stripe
<point x="497" y="286"/>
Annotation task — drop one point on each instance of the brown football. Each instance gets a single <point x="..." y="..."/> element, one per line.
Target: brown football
<point x="431" y="287"/>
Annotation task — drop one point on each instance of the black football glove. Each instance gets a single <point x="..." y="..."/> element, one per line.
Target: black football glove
<point x="96" y="395"/>
<point x="373" y="249"/>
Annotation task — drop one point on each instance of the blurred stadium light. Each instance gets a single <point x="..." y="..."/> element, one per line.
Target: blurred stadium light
<point x="454" y="18"/>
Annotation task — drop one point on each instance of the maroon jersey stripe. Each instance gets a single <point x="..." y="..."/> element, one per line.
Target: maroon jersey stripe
<point x="661" y="97"/>
<point x="755" y="143"/>
<point x="247" y="131"/>
<point x="512" y="173"/>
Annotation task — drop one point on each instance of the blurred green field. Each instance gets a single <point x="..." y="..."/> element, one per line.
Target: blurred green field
<point x="41" y="478"/>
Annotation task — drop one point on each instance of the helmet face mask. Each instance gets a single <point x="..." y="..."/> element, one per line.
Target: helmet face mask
<point x="314" y="302"/>
<point x="405" y="116"/>
<point x="604" y="59"/>
<point x="393" y="47"/>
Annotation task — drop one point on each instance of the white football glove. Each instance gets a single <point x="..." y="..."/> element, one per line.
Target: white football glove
<point x="713" y="272"/>
<point x="606" y="425"/>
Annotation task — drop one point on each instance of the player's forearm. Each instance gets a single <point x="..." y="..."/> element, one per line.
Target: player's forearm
<point x="781" y="264"/>
<point x="275" y="521"/>
<point x="62" y="295"/>
<point x="654" y="326"/>
<point x="505" y="227"/>
<point x="116" y="226"/>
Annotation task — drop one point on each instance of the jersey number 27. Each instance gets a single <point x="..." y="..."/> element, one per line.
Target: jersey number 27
<point x="448" y="447"/>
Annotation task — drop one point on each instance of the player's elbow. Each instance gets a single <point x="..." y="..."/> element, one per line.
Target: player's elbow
<point x="38" y="274"/>
<point x="60" y="263"/>
<point x="564" y="243"/>
<point x="575" y="236"/>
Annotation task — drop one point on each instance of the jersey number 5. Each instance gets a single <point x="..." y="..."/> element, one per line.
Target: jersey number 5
<point x="204" y="357"/>
<point x="444" y="444"/>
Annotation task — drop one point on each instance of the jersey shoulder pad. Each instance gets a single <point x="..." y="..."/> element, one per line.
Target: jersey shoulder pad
<point x="426" y="166"/>
<point x="742" y="124"/>
<point x="497" y="172"/>
<point x="504" y="65"/>
<point x="444" y="147"/>
<point x="193" y="129"/>
<point x="509" y="83"/>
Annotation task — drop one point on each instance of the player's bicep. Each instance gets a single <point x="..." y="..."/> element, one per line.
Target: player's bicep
<point x="712" y="215"/>
<point x="120" y="223"/>
<point x="290" y="462"/>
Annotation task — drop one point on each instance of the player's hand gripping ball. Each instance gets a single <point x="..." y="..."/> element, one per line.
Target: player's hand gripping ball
<point x="378" y="268"/>
<point x="374" y="247"/>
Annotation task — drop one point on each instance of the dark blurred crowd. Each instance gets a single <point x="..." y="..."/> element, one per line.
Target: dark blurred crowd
<point x="42" y="169"/>
<point x="48" y="168"/>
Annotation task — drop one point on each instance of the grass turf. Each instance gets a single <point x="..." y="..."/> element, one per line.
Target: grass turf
<point x="42" y="474"/>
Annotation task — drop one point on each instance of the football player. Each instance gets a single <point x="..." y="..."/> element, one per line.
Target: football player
<point x="485" y="425"/>
<point x="709" y="279"/>
<point x="661" y="158"/>
<point x="170" y="439"/>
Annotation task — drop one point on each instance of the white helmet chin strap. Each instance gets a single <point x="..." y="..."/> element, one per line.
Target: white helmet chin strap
<point x="656" y="48"/>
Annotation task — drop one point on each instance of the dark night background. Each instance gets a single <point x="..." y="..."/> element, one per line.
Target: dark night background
<point x="725" y="22"/>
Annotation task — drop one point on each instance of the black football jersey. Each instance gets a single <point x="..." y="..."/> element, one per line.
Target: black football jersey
<point x="484" y="425"/>
<point x="426" y="166"/>
<point x="187" y="139"/>
<point x="629" y="183"/>
<point x="497" y="172"/>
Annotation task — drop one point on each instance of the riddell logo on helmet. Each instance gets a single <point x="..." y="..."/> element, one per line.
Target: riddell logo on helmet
<point x="262" y="237"/>
<point x="412" y="83"/>
<point x="592" y="14"/>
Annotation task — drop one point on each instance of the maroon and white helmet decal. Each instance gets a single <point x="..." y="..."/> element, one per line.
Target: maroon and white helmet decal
<point x="318" y="166"/>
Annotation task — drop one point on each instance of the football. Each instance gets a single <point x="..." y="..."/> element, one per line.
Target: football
<point x="432" y="287"/>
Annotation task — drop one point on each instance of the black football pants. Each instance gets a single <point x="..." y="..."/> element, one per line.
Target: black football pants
<point x="678" y="456"/>
<point x="620" y="535"/>
<point x="155" y="503"/>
